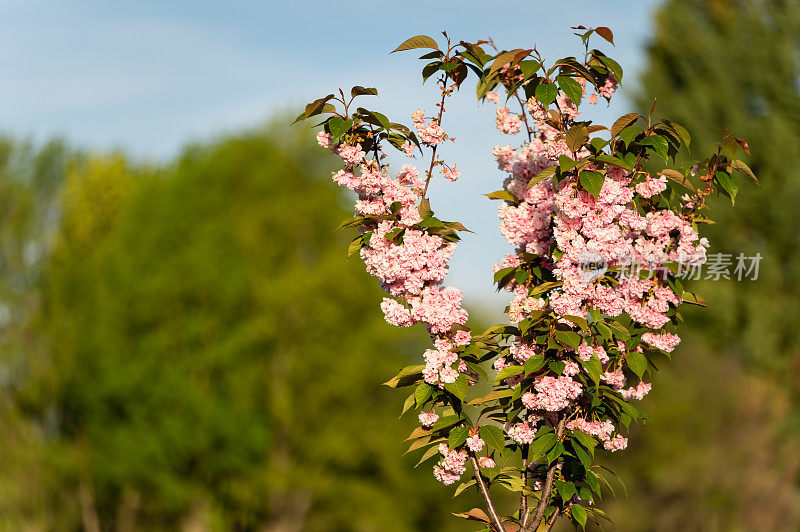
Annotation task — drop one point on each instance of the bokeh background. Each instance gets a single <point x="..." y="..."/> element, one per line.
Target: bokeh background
<point x="184" y="346"/>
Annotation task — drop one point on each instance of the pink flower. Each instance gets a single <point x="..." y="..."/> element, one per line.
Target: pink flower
<point x="428" y="419"/>
<point x="553" y="394"/>
<point x="608" y="88"/>
<point x="507" y="122"/>
<point x="475" y="443"/>
<point x="444" y="476"/>
<point x="492" y="96"/>
<point x="664" y="341"/>
<point x="650" y="187"/>
<point x="616" y="379"/>
<point x="601" y="429"/>
<point x="324" y="139"/>
<point x="395" y="313"/>
<point x="351" y="155"/>
<point x="617" y="443"/>
<point x="486" y="462"/>
<point x="448" y="375"/>
<point x="522" y="433"/>
<point x="452" y="174"/>
<point x="637" y="392"/>
<point x="462" y="337"/>
<point x="408" y="149"/>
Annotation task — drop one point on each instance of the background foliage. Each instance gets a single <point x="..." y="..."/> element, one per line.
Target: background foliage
<point x="185" y="317"/>
<point x="720" y="451"/>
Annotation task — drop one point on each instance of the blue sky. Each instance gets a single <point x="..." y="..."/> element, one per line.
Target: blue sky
<point x="150" y="76"/>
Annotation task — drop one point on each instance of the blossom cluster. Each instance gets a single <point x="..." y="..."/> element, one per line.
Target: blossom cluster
<point x="409" y="262"/>
<point x="592" y="233"/>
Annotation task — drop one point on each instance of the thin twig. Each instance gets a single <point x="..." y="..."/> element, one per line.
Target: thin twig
<point x="433" y="153"/>
<point x="524" y="117"/>
<point x="547" y="489"/>
<point x="553" y="519"/>
<point x="523" y="513"/>
<point x="493" y="515"/>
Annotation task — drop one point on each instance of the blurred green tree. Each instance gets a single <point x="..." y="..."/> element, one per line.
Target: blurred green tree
<point x="734" y="63"/>
<point x="208" y="360"/>
<point x="720" y="452"/>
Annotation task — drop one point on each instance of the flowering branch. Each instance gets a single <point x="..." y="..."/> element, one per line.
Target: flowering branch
<point x="598" y="245"/>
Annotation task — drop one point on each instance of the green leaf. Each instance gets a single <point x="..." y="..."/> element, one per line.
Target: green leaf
<point x="544" y="287"/>
<point x="485" y="84"/>
<point x="491" y="396"/>
<point x="461" y="487"/>
<point x="338" y="127"/>
<point x="565" y="489"/>
<point x="446" y="422"/>
<point x="579" y="514"/>
<point x="422" y="393"/>
<point x="694" y="299"/>
<point x="571" y="338"/>
<point x="541" y="176"/>
<point x="576" y="137"/>
<point x="430" y="69"/>
<point x="356" y="245"/>
<point x="728" y="184"/>
<point x="457" y="437"/>
<point x="533" y="364"/>
<point x="571" y="88"/>
<point x="419" y="41"/>
<point x="565" y="164"/>
<point x="428" y="454"/>
<point x="408" y="404"/>
<point x="585" y="440"/>
<point x="358" y="90"/>
<point x="494" y="436"/>
<point x="659" y="144"/>
<point x="499" y="274"/>
<point x="604" y="330"/>
<point x="682" y="132"/>
<point x="459" y="387"/>
<point x="592" y="181"/>
<point x="591" y="479"/>
<point x="542" y="444"/>
<point x="594" y="367"/>
<point x="510" y="371"/>
<point x="316" y="107"/>
<point x="623" y="122"/>
<point x="417" y="444"/>
<point x="612" y="65"/>
<point x="546" y="93"/>
<point x="375" y="118"/>
<point x="742" y="167"/>
<point x="555" y="453"/>
<point x="677" y="177"/>
<point x="629" y="133"/>
<point x="502" y="195"/>
<point x="529" y="67"/>
<point x="431" y="221"/>
<point x="610" y="159"/>
<point x="577" y="320"/>
<point x="620" y="331"/>
<point x="407" y="375"/>
<point x="637" y="362"/>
